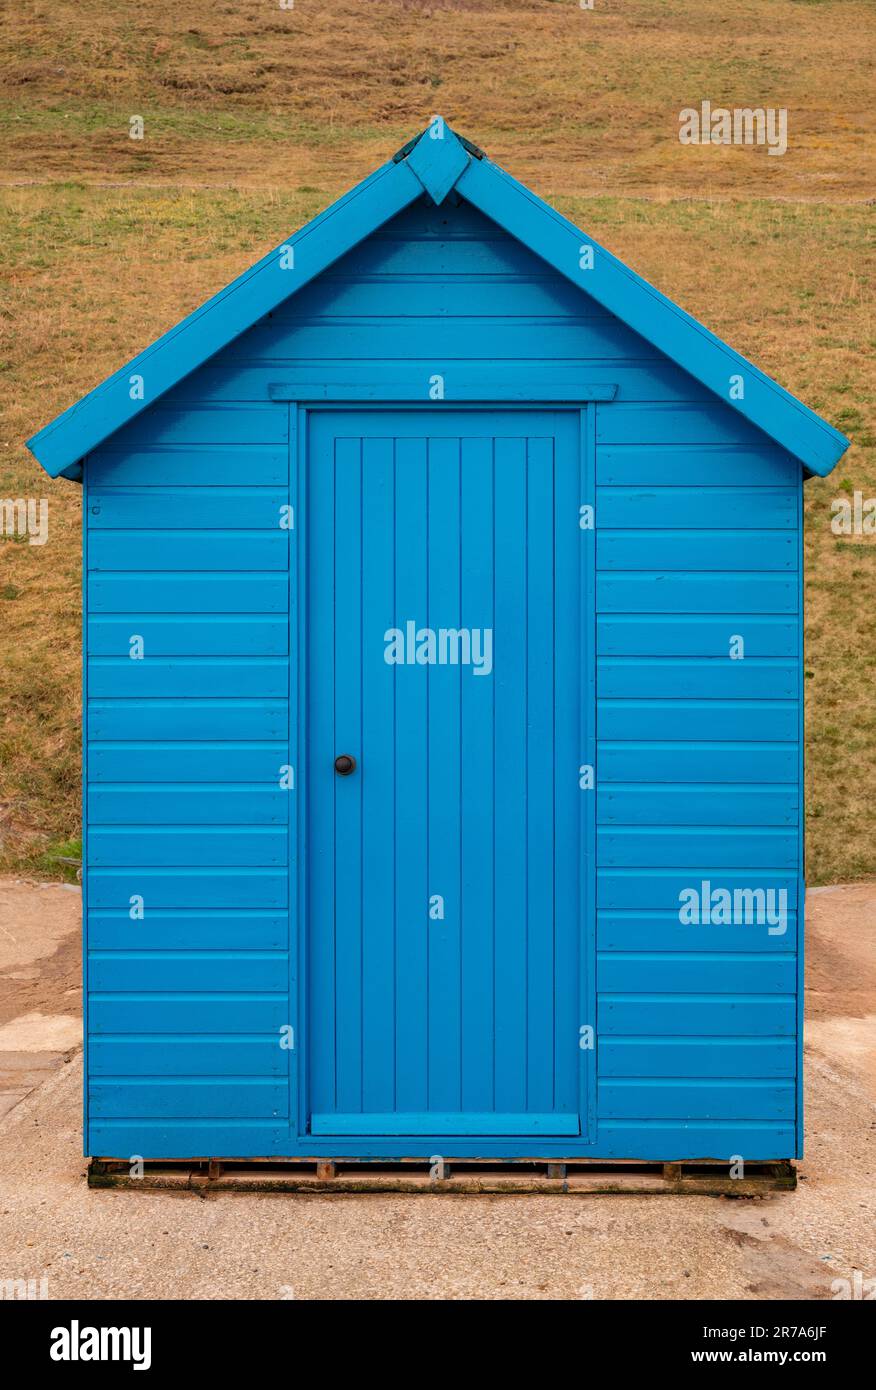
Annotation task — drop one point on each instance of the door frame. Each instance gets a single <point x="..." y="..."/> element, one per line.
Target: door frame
<point x="303" y="399"/>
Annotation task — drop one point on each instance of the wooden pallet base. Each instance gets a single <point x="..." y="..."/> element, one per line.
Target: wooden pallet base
<point x="463" y="1176"/>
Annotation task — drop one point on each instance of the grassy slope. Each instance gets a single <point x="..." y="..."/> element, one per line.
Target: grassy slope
<point x="257" y="116"/>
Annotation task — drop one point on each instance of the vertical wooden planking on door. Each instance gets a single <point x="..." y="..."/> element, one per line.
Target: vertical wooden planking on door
<point x="478" y="925"/>
<point x="444" y="778"/>
<point x="541" y="978"/>
<point x="320" y="810"/>
<point x="377" y="773"/>
<point x="348" y="790"/>
<point x="411" y="788"/>
<point x="510" y="783"/>
<point x="567" y="794"/>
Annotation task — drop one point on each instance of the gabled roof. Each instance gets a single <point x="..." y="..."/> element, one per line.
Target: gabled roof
<point x="436" y="161"/>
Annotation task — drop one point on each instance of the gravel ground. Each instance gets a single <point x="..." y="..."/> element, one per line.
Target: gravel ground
<point x="106" y="1244"/>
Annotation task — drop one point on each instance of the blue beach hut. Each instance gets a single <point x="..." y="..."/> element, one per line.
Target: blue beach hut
<point x="443" y="703"/>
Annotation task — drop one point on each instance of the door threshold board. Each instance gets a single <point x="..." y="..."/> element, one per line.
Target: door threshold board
<point x="446" y="1123"/>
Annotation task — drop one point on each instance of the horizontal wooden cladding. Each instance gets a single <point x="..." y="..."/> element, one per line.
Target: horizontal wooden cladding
<point x="424" y="221"/>
<point x="181" y="845"/>
<point x="192" y="930"/>
<point x="184" y="676"/>
<point x="195" y="635"/>
<point x="216" y="804"/>
<point x="185" y="508"/>
<point x="422" y="296"/>
<point x="753" y="678"/>
<point x="697" y="803"/>
<point x="218" y="1098"/>
<point x="186" y="762"/>
<point x="212" y="1055"/>
<point x="722" y="846"/>
<point x="640" y="930"/>
<point x="713" y="1098"/>
<point x="681" y="1015"/>
<point x="189" y="550"/>
<point x="665" y="423"/>
<point x="695" y="508"/>
<point x="185" y="719"/>
<point x="658" y="1140"/>
<point x="200" y="1012"/>
<point x="627" y="634"/>
<point x="140" y="972"/>
<point x="686" y="1058"/>
<point x="252" y="634"/>
<point x="745" y="466"/>
<point x="201" y="888"/>
<point x="650" y="888"/>
<point x="528" y="378"/>
<point x="200" y="594"/>
<point x="168" y="1138"/>
<point x="222" y="424"/>
<point x="441" y="256"/>
<point x="712" y="593"/>
<point x="697" y="762"/>
<point x="704" y="973"/>
<point x="192" y="465"/>
<point x="679" y="549"/>
<point x="440" y="339"/>
<point x="770" y="721"/>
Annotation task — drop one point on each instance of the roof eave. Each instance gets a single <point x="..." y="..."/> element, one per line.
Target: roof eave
<point x="674" y="332"/>
<point x="152" y="373"/>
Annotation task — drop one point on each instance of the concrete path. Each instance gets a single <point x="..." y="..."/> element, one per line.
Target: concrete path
<point x="40" y="984"/>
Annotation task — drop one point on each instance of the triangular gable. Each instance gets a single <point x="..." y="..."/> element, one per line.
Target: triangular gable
<point x="438" y="161"/>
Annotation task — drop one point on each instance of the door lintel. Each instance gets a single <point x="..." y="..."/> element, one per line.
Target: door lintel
<point x="464" y="392"/>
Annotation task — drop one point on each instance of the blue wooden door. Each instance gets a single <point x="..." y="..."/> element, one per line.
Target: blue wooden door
<point x="445" y="893"/>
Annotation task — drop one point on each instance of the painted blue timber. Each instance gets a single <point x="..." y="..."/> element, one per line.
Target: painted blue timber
<point x="443" y="877"/>
<point x="472" y="945"/>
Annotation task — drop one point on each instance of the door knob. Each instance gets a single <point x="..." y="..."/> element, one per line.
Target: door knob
<point x="344" y="764"/>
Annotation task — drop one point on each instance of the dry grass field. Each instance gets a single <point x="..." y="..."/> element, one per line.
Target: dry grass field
<point x="257" y="115"/>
